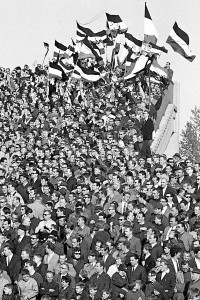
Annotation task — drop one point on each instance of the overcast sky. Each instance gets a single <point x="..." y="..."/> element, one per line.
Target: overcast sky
<point x="26" y="24"/>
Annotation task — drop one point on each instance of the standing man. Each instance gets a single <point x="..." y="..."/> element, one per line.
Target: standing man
<point x="147" y="127"/>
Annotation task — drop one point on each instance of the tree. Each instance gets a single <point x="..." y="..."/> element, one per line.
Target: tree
<point x="190" y="137"/>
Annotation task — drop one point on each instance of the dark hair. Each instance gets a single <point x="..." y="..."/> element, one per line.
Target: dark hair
<point x="9" y="286"/>
<point x="31" y="264"/>
<point x="66" y="278"/>
<point x="6" y="210"/>
<point x="50" y="246"/>
<point x="174" y="251"/>
<point x="25" y="272"/>
<point x="81" y="285"/>
<point x="196" y="250"/>
<point x="135" y="255"/>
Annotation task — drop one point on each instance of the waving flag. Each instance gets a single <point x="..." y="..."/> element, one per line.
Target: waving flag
<point x="156" y="68"/>
<point x="99" y="36"/>
<point x="133" y="43"/>
<point x="179" y="41"/>
<point x="83" y="32"/>
<point x="150" y="32"/>
<point x="67" y="64"/>
<point x="116" y="23"/>
<point x="55" y="71"/>
<point x="157" y="49"/>
<point x="89" y="49"/>
<point x="59" y="50"/>
<point x="86" y="50"/>
<point x="88" y="74"/>
<point x="137" y="66"/>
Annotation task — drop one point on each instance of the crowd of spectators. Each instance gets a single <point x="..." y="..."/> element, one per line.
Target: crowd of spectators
<point x="86" y="210"/>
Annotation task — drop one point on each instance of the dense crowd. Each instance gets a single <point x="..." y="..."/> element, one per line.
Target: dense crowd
<point x="86" y="210"/>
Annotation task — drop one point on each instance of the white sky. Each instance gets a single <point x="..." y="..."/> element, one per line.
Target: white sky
<point x="26" y="24"/>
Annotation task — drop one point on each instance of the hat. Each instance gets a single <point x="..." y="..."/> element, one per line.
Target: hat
<point x="22" y="227"/>
<point x="195" y="270"/>
<point x="177" y="154"/>
<point x="158" y="206"/>
<point x="127" y="224"/>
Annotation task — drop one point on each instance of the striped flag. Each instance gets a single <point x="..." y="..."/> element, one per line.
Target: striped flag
<point x="131" y="57"/>
<point x="100" y="46"/>
<point x="156" y="68"/>
<point x="67" y="64"/>
<point x="89" y="49"/>
<point x="98" y="36"/>
<point x="133" y="43"/>
<point x="46" y="45"/>
<point x="122" y="56"/>
<point x="59" y="50"/>
<point x="116" y="23"/>
<point x="86" y="51"/>
<point x="179" y="41"/>
<point x="83" y="32"/>
<point x="137" y="66"/>
<point x="157" y="49"/>
<point x="55" y="71"/>
<point x="150" y="32"/>
<point x="87" y="74"/>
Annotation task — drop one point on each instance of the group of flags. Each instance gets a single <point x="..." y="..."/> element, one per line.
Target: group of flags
<point x="126" y="50"/>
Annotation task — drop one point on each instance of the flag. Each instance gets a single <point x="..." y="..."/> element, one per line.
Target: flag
<point x="88" y="74"/>
<point x="99" y="36"/>
<point x="89" y="49"/>
<point x="133" y="43"/>
<point x="131" y="57"/>
<point x="137" y="66"/>
<point x="179" y="41"/>
<point x="157" y="49"/>
<point x="100" y="46"/>
<point x="86" y="51"/>
<point x="55" y="71"/>
<point x="83" y="32"/>
<point x="150" y="32"/>
<point x="116" y="23"/>
<point x="67" y="64"/>
<point x="46" y="45"/>
<point x="156" y="68"/>
<point x="59" y="50"/>
<point x="122" y="56"/>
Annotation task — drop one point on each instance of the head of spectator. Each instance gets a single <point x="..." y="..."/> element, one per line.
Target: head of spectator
<point x="49" y="277"/>
<point x="37" y="259"/>
<point x="65" y="281"/>
<point x="25" y="275"/>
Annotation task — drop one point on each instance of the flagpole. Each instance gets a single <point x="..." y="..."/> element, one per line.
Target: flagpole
<point x="149" y="86"/>
<point x="45" y="56"/>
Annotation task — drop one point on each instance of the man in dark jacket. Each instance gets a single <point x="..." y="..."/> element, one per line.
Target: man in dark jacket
<point x="147" y="127"/>
<point x="136" y="271"/>
<point x="167" y="279"/>
<point x="48" y="287"/>
<point x="100" y="279"/>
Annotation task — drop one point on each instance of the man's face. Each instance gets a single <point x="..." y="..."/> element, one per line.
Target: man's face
<point x="133" y="261"/>
<point x="62" y="259"/>
<point x="25" y="277"/>
<point x="49" y="277"/>
<point x="78" y="290"/>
